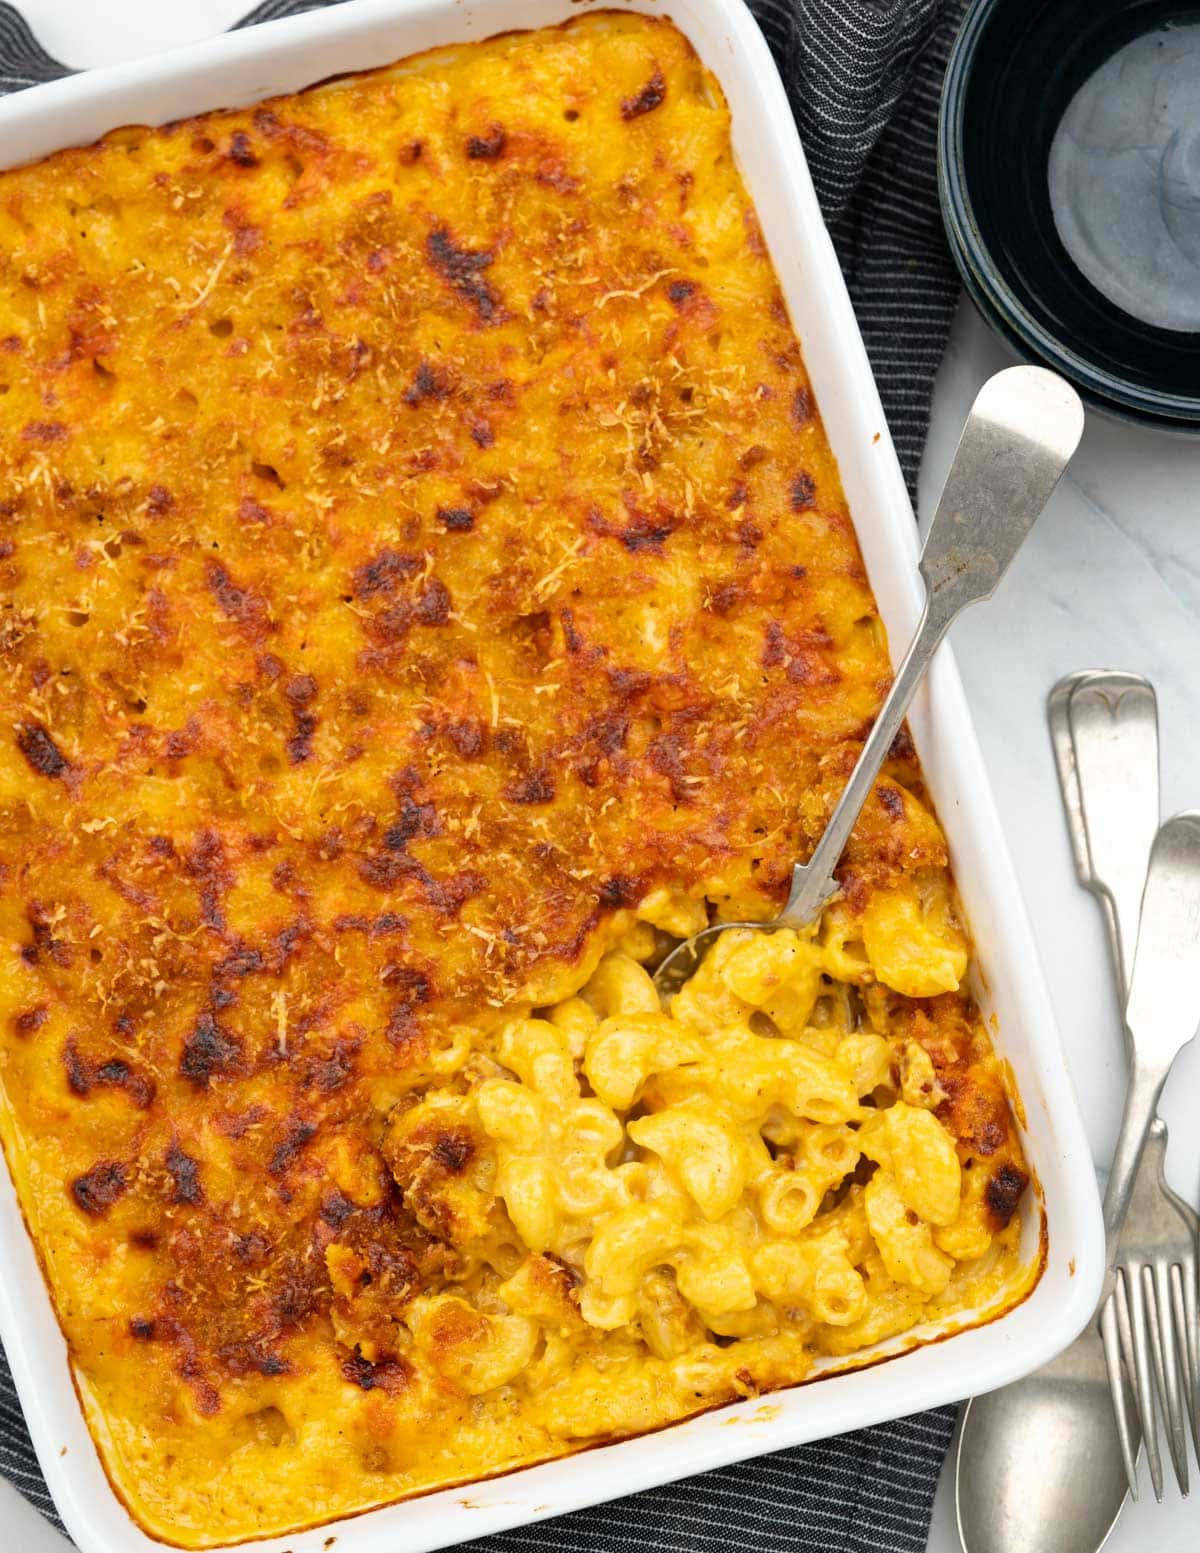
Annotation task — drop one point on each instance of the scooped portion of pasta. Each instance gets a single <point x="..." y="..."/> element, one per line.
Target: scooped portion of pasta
<point x="426" y="592"/>
<point x="762" y="1162"/>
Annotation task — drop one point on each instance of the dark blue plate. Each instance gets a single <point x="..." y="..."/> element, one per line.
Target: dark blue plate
<point x="1015" y="69"/>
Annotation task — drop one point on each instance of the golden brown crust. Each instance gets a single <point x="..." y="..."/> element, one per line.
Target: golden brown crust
<point x="419" y="543"/>
<point x="975" y="1107"/>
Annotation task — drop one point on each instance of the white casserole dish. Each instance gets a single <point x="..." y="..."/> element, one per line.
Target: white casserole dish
<point x="244" y="67"/>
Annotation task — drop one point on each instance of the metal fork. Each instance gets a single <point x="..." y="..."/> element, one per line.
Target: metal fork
<point x="1155" y="1312"/>
<point x="1105" y="734"/>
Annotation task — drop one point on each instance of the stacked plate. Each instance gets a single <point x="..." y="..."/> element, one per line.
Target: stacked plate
<point x="1070" y="182"/>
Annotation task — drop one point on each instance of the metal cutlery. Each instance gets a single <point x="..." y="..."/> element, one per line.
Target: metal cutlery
<point x="1013" y="1493"/>
<point x="1161" y="1018"/>
<point x="1023" y="428"/>
<point x="1103" y="726"/>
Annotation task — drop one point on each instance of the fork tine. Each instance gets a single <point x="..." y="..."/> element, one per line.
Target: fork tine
<point x="1117" y="1388"/>
<point x="1165" y="1348"/>
<point x="1190" y="1295"/>
<point x="1180" y="1273"/>
<point x="1137" y="1356"/>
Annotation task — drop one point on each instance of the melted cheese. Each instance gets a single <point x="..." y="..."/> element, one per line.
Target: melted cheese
<point x="421" y="555"/>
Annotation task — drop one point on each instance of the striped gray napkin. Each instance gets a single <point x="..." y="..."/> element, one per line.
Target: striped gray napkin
<point x="864" y="78"/>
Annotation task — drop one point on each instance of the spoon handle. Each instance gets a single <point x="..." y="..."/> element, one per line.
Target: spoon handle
<point x="1104" y="729"/>
<point x="813" y="882"/>
<point x="1019" y="437"/>
<point x="1113" y="720"/>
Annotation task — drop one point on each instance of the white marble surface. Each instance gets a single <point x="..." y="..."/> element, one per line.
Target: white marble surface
<point x="1110" y="578"/>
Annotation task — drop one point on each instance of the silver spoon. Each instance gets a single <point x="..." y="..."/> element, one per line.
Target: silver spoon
<point x="1019" y="437"/>
<point x="1039" y="1464"/>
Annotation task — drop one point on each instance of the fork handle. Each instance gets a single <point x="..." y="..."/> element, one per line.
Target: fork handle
<point x="1146" y="1082"/>
<point x="1163" y="1009"/>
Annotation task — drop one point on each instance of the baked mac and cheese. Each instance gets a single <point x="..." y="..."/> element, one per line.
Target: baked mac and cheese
<point x="428" y="592"/>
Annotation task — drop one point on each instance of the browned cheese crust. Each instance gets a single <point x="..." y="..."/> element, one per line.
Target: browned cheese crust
<point x="419" y="545"/>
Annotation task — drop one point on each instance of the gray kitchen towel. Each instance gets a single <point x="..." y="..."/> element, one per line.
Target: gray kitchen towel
<point x="864" y="77"/>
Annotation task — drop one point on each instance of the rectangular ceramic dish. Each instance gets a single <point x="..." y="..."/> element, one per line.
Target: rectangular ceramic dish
<point x="244" y="67"/>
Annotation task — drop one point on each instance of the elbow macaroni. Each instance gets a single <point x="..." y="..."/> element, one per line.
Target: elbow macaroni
<point x="760" y="1164"/>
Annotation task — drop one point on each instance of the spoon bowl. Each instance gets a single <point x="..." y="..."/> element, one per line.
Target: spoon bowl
<point x="682" y="962"/>
<point x="1060" y="1414"/>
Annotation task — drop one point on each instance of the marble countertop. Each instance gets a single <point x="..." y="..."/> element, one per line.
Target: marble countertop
<point x="1110" y="578"/>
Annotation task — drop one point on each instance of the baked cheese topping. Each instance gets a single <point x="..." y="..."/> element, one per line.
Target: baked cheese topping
<point x="427" y="589"/>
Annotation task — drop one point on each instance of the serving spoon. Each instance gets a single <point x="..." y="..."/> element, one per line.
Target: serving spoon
<point x="1019" y="437"/>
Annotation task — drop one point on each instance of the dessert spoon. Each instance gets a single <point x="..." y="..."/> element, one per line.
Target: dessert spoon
<point x="1019" y="437"/>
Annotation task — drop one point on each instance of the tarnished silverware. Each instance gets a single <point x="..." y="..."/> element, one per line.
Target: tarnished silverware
<point x="1111" y="720"/>
<point x="1039" y="1462"/>
<point x="1019" y="437"/>
<point x="1104" y="729"/>
<point x="1161" y="1017"/>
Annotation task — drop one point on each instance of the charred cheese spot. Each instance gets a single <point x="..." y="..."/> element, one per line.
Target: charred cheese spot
<point x="85" y="1074"/>
<point x="427" y="383"/>
<point x="487" y="148"/>
<point x="453" y="1150"/>
<point x="462" y="270"/>
<point x="30" y="1020"/>
<point x="185" y="1176"/>
<point x="390" y="1375"/>
<point x="891" y="802"/>
<point x="44" y="432"/>
<point x="241" y="150"/>
<point x="40" y="750"/>
<point x="208" y="1052"/>
<point x="298" y="1134"/>
<point x="1004" y="1191"/>
<point x="620" y="891"/>
<point x="802" y="493"/>
<point x="651" y="96"/>
<point x="382" y="574"/>
<point x="536" y="788"/>
<point x="238" y="603"/>
<point x="100" y="1187"/>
